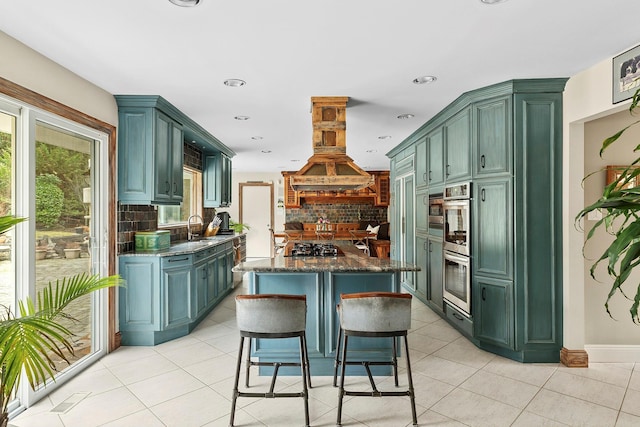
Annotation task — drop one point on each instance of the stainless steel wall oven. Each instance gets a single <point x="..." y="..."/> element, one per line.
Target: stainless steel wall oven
<point x="457" y="246"/>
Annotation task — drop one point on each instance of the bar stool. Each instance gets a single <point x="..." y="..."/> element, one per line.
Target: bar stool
<point x="373" y="314"/>
<point x="271" y="316"/>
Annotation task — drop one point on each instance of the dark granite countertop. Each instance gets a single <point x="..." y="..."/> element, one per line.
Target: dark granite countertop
<point x="185" y="248"/>
<point x="353" y="260"/>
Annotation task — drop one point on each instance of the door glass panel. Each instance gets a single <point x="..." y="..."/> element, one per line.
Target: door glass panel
<point x="63" y="223"/>
<point x="7" y="241"/>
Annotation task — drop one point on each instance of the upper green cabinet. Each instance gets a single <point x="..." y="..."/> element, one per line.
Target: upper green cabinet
<point x="422" y="165"/>
<point x="151" y="137"/>
<point x="493" y="132"/>
<point x="435" y="174"/>
<point x="217" y="180"/>
<point x="149" y="157"/>
<point x="458" y="142"/>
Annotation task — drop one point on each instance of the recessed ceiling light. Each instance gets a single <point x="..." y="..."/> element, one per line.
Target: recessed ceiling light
<point x="266" y="151"/>
<point x="185" y="3"/>
<point x="424" y="79"/>
<point x="295" y="160"/>
<point x="405" y="116"/>
<point x="384" y="137"/>
<point x="234" y="82"/>
<point x="242" y="117"/>
<point x="372" y="151"/>
<point x="257" y="138"/>
<point x="492" y="1"/>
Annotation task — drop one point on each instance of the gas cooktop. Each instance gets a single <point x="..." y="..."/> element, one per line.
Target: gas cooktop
<point x="313" y="249"/>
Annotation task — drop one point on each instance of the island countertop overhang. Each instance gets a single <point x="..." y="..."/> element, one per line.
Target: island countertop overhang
<point x="353" y="260"/>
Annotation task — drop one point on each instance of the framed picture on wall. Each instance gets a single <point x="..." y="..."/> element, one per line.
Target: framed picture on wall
<point x="626" y="74"/>
<point x="615" y="172"/>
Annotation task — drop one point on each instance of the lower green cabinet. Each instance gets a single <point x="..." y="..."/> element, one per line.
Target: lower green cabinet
<point x="436" y="274"/>
<point x="493" y="313"/>
<point x="167" y="296"/>
<point x="176" y="289"/>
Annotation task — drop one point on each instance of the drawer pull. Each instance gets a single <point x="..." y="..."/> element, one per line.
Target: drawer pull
<point x="179" y="259"/>
<point x="457" y="316"/>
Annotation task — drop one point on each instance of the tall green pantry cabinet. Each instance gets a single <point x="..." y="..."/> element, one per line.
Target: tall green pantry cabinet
<point x="506" y="139"/>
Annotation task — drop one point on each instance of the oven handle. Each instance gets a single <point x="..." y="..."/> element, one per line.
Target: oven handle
<point x="461" y="259"/>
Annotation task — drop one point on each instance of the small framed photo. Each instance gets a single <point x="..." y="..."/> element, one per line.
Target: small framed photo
<point x="626" y="74"/>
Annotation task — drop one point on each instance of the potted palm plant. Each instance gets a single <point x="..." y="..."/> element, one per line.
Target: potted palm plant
<point x="620" y="206"/>
<point x="29" y="342"/>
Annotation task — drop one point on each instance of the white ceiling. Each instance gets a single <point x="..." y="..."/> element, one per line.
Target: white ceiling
<point x="290" y="50"/>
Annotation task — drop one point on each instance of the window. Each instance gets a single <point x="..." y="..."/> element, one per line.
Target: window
<point x="169" y="216"/>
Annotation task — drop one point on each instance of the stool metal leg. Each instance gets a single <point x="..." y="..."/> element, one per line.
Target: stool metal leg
<point x="246" y="380"/>
<point x="306" y="359"/>
<point x="395" y="361"/>
<point x="305" y="377"/>
<point x="411" y="393"/>
<point x="235" y="395"/>
<point x="336" y="361"/>
<point x="341" y="389"/>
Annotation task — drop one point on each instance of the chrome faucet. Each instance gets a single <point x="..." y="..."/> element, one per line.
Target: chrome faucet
<point x="191" y="235"/>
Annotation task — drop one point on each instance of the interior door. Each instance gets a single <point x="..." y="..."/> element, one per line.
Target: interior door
<point x="256" y="211"/>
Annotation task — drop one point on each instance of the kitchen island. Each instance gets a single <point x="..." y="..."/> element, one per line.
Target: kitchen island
<point x="322" y="279"/>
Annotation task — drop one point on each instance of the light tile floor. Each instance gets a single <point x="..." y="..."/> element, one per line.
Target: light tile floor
<point x="188" y="382"/>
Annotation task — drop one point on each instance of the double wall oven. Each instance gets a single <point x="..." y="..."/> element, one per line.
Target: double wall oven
<point x="457" y="246"/>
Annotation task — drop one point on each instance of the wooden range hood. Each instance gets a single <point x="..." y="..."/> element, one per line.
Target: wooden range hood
<point x="330" y="169"/>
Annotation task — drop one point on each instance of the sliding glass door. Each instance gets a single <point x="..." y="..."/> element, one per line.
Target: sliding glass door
<point x="53" y="172"/>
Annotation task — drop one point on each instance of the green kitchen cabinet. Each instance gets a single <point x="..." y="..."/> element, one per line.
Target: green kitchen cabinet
<point x="177" y="291"/>
<point x="494" y="315"/>
<point x="204" y="280"/>
<point x="217" y="180"/>
<point x="167" y="296"/>
<point x="492" y="238"/>
<point x="435" y="274"/>
<point x="422" y="165"/>
<point x="435" y="154"/>
<point x="506" y="139"/>
<point x="422" y="261"/>
<point x="458" y="146"/>
<point x="428" y="281"/>
<point x="422" y="210"/>
<point x="492" y="154"/>
<point x="404" y="232"/>
<point x="150" y="150"/>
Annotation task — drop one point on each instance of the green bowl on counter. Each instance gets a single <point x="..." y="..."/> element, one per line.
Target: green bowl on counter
<point x="152" y="240"/>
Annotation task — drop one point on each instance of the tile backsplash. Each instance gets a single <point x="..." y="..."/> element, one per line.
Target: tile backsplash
<point x="339" y="212"/>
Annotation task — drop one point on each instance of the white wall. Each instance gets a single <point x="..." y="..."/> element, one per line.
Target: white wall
<point x="587" y="97"/>
<point x="26" y="67"/>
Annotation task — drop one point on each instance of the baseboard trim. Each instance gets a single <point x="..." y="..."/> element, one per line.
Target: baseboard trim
<point x="613" y="353"/>
<point x="574" y="358"/>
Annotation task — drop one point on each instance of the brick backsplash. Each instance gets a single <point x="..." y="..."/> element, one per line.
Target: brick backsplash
<point x="339" y="212"/>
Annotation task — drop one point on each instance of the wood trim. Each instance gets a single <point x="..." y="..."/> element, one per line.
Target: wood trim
<point x="42" y="102"/>
<point x="574" y="358"/>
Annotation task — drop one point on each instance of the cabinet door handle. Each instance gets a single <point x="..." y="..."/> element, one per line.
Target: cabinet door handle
<point x="430" y="247"/>
<point x="180" y="259"/>
<point x="482" y="161"/>
<point x="424" y="177"/>
<point x="482" y="195"/>
<point x="484" y="293"/>
<point x="175" y="188"/>
<point x="425" y="200"/>
<point x="167" y="186"/>
<point x="448" y="170"/>
<point x="430" y="176"/>
<point x="457" y="316"/>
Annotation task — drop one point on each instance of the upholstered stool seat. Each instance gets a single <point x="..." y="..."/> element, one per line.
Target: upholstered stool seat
<point x="272" y="316"/>
<point x="377" y="315"/>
